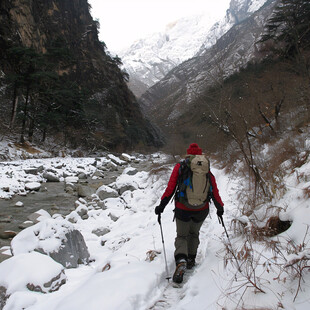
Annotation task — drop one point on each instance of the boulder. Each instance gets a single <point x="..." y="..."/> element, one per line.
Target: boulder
<point x="5" y="253"/>
<point x="131" y="171"/>
<point x="112" y="166"/>
<point x="39" y="273"/>
<point x="38" y="216"/>
<point x="7" y="219"/>
<point x="19" y="204"/>
<point x="7" y="234"/>
<point x="116" y="160"/>
<point x="82" y="176"/>
<point x="71" y="179"/>
<point x="34" y="170"/>
<point x="113" y="217"/>
<point x="104" y="192"/>
<point x="82" y="211"/>
<point x="50" y="177"/>
<point x="83" y="190"/>
<point x="125" y="188"/>
<point x="98" y="174"/>
<point x="101" y="231"/>
<point x="126" y="157"/>
<point x="25" y="224"/>
<point x="33" y="186"/>
<point x="72" y="252"/>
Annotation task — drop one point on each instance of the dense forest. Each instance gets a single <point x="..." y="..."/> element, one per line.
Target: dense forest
<point x="58" y="80"/>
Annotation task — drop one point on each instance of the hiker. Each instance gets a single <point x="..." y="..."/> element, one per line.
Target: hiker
<point x="194" y="185"/>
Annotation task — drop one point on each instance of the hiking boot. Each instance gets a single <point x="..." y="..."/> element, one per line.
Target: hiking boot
<point x="179" y="271"/>
<point x="190" y="263"/>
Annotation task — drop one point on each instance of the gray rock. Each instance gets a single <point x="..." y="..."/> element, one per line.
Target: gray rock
<point x="34" y="170"/>
<point x="7" y="234"/>
<point x="98" y="174"/>
<point x="7" y="219"/>
<point x="50" y="176"/>
<point x="25" y="224"/>
<point x="102" y="168"/>
<point x="3" y="256"/>
<point x="101" y="231"/>
<point x="51" y="286"/>
<point x="82" y="211"/>
<point x="112" y="166"/>
<point x="19" y="204"/>
<point x="33" y="186"/>
<point x="82" y="176"/>
<point x="113" y="217"/>
<point x="126" y="157"/>
<point x="33" y="217"/>
<point x="105" y="192"/>
<point x="72" y="252"/>
<point x="132" y="171"/>
<point x="101" y="205"/>
<point x="83" y="190"/>
<point x="126" y="188"/>
<point x="3" y="296"/>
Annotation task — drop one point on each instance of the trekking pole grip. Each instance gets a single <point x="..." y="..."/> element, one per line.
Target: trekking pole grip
<point x="159" y="218"/>
<point x="220" y="217"/>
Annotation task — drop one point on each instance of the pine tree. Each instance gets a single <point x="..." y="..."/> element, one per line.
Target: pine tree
<point x="289" y="26"/>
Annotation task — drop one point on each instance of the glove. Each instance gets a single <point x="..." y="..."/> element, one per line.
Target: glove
<point x="160" y="208"/>
<point x="220" y="211"/>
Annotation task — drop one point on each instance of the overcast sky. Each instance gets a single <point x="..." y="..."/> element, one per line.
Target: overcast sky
<point x="124" y="21"/>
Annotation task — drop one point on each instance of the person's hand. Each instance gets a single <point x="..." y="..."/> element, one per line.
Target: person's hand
<point x="159" y="209"/>
<point x="220" y="212"/>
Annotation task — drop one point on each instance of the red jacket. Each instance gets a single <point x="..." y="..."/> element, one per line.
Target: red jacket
<point x="173" y="183"/>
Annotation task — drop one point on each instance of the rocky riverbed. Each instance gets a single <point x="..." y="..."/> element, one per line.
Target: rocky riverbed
<point x="55" y="185"/>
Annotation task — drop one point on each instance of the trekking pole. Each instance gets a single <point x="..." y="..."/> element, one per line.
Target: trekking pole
<point x="221" y="221"/>
<point x="162" y="239"/>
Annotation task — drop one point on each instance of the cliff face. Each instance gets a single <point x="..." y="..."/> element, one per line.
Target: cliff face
<point x="42" y="25"/>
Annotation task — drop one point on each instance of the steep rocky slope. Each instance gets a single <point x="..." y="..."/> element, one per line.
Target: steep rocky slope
<point x="170" y="98"/>
<point x="114" y="115"/>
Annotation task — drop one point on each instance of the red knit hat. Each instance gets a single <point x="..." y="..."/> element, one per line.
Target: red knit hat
<point x="194" y="149"/>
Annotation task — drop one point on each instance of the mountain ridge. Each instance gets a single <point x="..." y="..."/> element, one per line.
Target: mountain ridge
<point x="148" y="60"/>
<point x="169" y="98"/>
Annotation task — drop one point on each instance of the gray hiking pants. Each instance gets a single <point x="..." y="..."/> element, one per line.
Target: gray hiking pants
<point x="187" y="239"/>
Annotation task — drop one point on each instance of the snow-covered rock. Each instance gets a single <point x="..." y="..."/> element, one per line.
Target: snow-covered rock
<point x="55" y="237"/>
<point x="30" y="271"/>
<point x="104" y="192"/>
<point x="33" y="186"/>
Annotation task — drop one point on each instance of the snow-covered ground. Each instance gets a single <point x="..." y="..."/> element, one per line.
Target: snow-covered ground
<point x="126" y="267"/>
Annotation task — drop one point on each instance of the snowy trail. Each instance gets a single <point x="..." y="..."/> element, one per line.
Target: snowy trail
<point x="174" y="293"/>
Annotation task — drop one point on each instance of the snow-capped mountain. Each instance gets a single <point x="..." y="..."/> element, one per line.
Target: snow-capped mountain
<point x="170" y="97"/>
<point x="148" y="60"/>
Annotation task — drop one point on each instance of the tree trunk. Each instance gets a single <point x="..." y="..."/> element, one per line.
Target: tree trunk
<point x="22" y="135"/>
<point x="14" y="107"/>
<point x="31" y="129"/>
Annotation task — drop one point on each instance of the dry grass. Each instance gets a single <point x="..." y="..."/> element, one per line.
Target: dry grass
<point x="26" y="146"/>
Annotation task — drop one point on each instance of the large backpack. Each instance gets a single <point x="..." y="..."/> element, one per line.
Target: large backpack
<point x="194" y="186"/>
